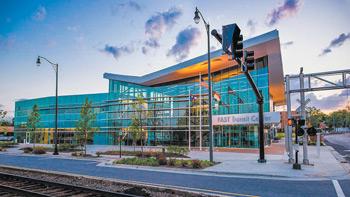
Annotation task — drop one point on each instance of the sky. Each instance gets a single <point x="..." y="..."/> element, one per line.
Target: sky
<point x="88" y="38"/>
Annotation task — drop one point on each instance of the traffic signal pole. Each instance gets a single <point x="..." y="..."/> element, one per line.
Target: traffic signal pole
<point x="237" y="52"/>
<point x="260" y="102"/>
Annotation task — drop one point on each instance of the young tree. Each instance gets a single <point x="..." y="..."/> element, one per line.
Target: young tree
<point x="33" y="121"/>
<point x="134" y="130"/>
<point x="140" y="113"/>
<point x="84" y="126"/>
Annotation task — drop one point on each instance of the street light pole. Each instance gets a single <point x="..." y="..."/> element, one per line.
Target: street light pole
<point x="55" y="67"/>
<point x="207" y="27"/>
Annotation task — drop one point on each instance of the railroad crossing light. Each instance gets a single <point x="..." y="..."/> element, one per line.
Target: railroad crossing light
<point x="311" y="131"/>
<point x="232" y="40"/>
<point x="249" y="60"/>
<point x="300" y="131"/>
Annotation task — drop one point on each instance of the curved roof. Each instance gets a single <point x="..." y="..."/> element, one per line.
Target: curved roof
<point x="203" y="58"/>
<point x="263" y="45"/>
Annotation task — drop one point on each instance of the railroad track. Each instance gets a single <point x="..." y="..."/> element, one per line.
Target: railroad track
<point x="15" y="185"/>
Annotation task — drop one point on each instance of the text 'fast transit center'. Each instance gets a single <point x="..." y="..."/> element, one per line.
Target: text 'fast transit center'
<point x="176" y="102"/>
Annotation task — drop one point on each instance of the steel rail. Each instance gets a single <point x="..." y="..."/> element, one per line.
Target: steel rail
<point x="37" y="187"/>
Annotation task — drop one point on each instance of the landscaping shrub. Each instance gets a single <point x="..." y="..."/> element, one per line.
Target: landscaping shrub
<point x="177" y="151"/>
<point x="80" y="154"/>
<point x="161" y="159"/>
<point x="279" y="136"/>
<point x="39" y="150"/>
<point x="172" y="162"/>
<point x="77" y="154"/>
<point x="67" y="147"/>
<point x="206" y="163"/>
<point x="151" y="161"/>
<point x="184" y="163"/>
<point x="147" y="154"/>
<point x="196" y="164"/>
<point x="27" y="149"/>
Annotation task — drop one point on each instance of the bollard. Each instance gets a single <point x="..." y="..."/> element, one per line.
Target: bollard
<point x="305" y="152"/>
<point x="318" y="144"/>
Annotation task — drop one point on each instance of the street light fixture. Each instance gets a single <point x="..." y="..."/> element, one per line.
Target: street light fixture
<point x="197" y="16"/>
<point x="55" y="67"/>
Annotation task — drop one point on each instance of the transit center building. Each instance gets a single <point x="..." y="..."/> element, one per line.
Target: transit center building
<point x="176" y="102"/>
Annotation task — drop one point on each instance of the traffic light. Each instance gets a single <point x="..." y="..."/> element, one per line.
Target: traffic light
<point x="249" y="60"/>
<point x="292" y="122"/>
<point x="232" y="40"/>
<point x="300" y="131"/>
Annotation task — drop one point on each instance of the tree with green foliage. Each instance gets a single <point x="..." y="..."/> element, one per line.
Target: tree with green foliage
<point x="134" y="130"/>
<point x="2" y="112"/>
<point x="84" y="128"/>
<point x="2" y="115"/>
<point x="315" y="116"/>
<point x="339" y="118"/>
<point x="33" y="120"/>
<point x="136" y="127"/>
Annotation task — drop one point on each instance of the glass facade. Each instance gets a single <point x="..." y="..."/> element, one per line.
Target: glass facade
<point x="174" y="109"/>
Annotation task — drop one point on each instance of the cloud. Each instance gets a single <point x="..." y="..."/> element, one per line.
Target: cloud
<point x="329" y="103"/>
<point x="157" y="25"/>
<point x="126" y="6"/>
<point x="185" y="40"/>
<point x="289" y="8"/>
<point x="251" y="26"/>
<point x="287" y="44"/>
<point x="116" y="51"/>
<point x="40" y="14"/>
<point x="337" y="42"/>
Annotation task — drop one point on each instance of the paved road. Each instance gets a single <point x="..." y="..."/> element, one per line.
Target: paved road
<point x="220" y="184"/>
<point x="341" y="143"/>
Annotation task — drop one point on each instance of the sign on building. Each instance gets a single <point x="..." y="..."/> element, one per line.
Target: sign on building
<point x="246" y="119"/>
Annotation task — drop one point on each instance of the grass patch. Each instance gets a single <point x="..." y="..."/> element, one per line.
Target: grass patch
<point x="162" y="161"/>
<point x="151" y="161"/>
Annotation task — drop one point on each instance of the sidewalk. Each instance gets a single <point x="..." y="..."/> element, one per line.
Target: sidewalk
<point x="326" y="166"/>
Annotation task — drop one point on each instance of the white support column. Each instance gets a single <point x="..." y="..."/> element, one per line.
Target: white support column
<point x="303" y="117"/>
<point x="200" y="111"/>
<point x="318" y="144"/>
